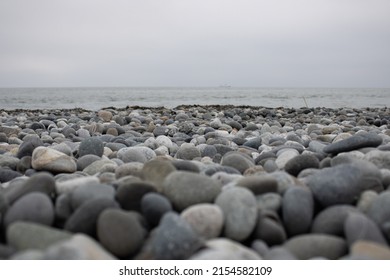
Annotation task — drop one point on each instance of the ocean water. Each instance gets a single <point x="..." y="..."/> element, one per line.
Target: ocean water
<point x="170" y="97"/>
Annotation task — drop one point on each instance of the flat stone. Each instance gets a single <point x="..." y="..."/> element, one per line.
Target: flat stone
<point x="307" y="246"/>
<point x="53" y="161"/>
<point x="185" y="188"/>
<point x="295" y="165"/>
<point x="259" y="184"/>
<point x="240" y="211"/>
<point x="354" y="142"/>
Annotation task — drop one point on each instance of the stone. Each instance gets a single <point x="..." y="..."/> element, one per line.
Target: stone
<point x="295" y="165"/>
<point x="7" y="175"/>
<point x="285" y="156"/>
<point x="28" y="146"/>
<point x="100" y="166"/>
<point x="129" y="196"/>
<point x="379" y="212"/>
<point x="63" y="148"/>
<point x="269" y="201"/>
<point x="370" y="251"/>
<point x="357" y="141"/>
<point x="187" y="151"/>
<point x="174" y="239"/>
<point x="34" y="207"/>
<point x="84" y="161"/>
<point x="120" y="232"/>
<point x="155" y="172"/>
<point x="129" y="169"/>
<point x="365" y="201"/>
<point x="81" y="194"/>
<point x="154" y="206"/>
<point x="307" y="246"/>
<point x="269" y="228"/>
<point x="258" y="184"/>
<point x="297" y="210"/>
<point x="225" y="249"/>
<point x="238" y="161"/>
<point x="343" y="184"/>
<point x="279" y="253"/>
<point x="139" y="154"/>
<point x="71" y="184"/>
<point x="240" y="211"/>
<point x="9" y="161"/>
<point x="84" y="219"/>
<point x="53" y="161"/>
<point x="380" y="158"/>
<point x="78" y="247"/>
<point x="185" y="165"/>
<point x="207" y="220"/>
<point x="359" y="227"/>
<point x="254" y="143"/>
<point x="91" y="146"/>
<point x="185" y="188"/>
<point x="105" y="115"/>
<point x="27" y="235"/>
<point x="331" y="220"/>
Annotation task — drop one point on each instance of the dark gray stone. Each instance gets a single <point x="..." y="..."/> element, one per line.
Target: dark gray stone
<point x="91" y="146"/>
<point x="259" y="184"/>
<point x="33" y="207"/>
<point x="120" y="232"/>
<point x="187" y="151"/>
<point x="297" y="210"/>
<point x="84" y="193"/>
<point x="7" y="175"/>
<point x="84" y="219"/>
<point x="379" y="212"/>
<point x="343" y="184"/>
<point x="129" y="196"/>
<point x="254" y="143"/>
<point x="174" y="239"/>
<point x="28" y="146"/>
<point x="301" y="162"/>
<point x="154" y="206"/>
<point x="86" y="160"/>
<point x="269" y="228"/>
<point x="354" y="142"/>
<point x="307" y="246"/>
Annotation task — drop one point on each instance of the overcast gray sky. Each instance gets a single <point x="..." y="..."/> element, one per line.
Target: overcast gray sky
<point x="297" y="43"/>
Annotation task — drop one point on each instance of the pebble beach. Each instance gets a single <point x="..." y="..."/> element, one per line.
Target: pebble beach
<point x="195" y="182"/>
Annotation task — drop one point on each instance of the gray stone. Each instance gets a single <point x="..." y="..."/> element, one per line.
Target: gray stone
<point x="9" y="161"/>
<point x="379" y="212"/>
<point x="357" y="141"/>
<point x="359" y="227"/>
<point x="139" y="152"/>
<point x="380" y="158"/>
<point x="84" y="219"/>
<point x="154" y="206"/>
<point x="269" y="201"/>
<point x="185" y="188"/>
<point x="366" y="250"/>
<point x="307" y="246"/>
<point x="7" y="175"/>
<point x="120" y="232"/>
<point x="237" y="160"/>
<point x="240" y="211"/>
<point x="253" y="143"/>
<point x="206" y="219"/>
<point x="269" y="228"/>
<point x="53" y="161"/>
<point x="27" y="235"/>
<point x="103" y="165"/>
<point x="187" y="151"/>
<point x="365" y="201"/>
<point x="71" y="184"/>
<point x="28" y="146"/>
<point x="34" y="207"/>
<point x="63" y="208"/>
<point x="86" y="192"/>
<point x="295" y="165"/>
<point x="279" y="253"/>
<point x="331" y="220"/>
<point x="343" y="184"/>
<point x="259" y="184"/>
<point x="155" y="172"/>
<point x="225" y="249"/>
<point x="84" y="161"/>
<point x="284" y="156"/>
<point x="297" y="210"/>
<point x="63" y="148"/>
<point x="174" y="239"/>
<point x="130" y="168"/>
<point x="130" y="196"/>
<point x="78" y="247"/>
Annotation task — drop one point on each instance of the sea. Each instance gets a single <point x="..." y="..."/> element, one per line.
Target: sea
<point x="95" y="98"/>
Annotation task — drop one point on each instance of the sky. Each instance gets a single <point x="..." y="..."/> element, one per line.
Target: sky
<point x="254" y="43"/>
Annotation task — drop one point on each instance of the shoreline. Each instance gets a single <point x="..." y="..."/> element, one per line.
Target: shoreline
<point x="195" y="182"/>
